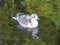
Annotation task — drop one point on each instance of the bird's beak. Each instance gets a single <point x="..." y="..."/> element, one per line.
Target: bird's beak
<point x="38" y="19"/>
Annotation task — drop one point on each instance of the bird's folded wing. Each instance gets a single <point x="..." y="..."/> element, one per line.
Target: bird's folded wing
<point x="28" y="22"/>
<point x="24" y="20"/>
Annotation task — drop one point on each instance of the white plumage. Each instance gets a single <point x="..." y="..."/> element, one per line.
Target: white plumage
<point x="27" y="21"/>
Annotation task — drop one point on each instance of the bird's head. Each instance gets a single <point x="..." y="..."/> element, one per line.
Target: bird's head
<point x="35" y="16"/>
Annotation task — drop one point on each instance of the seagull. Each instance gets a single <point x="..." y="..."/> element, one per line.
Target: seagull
<point x="26" y="20"/>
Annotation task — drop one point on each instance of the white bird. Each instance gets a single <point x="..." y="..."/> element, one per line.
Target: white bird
<point x="27" y="21"/>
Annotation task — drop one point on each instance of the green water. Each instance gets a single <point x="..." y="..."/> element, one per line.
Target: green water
<point x="49" y="23"/>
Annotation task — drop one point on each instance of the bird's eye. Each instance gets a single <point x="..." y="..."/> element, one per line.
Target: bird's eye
<point x="34" y="16"/>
